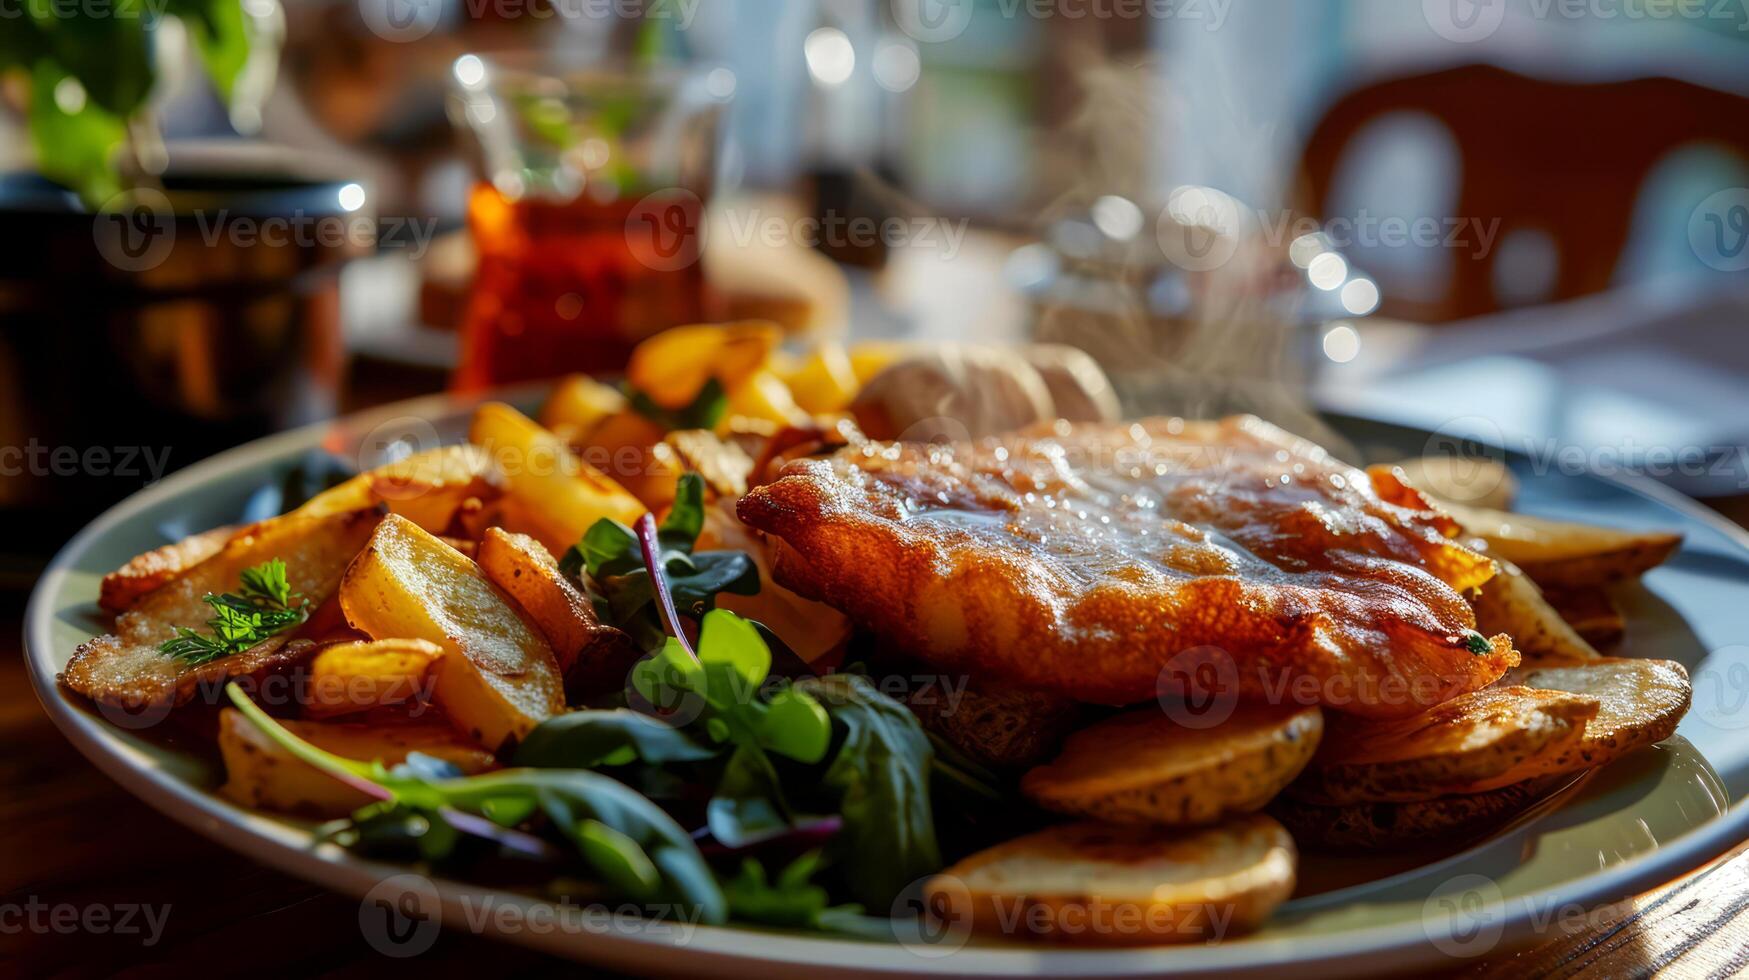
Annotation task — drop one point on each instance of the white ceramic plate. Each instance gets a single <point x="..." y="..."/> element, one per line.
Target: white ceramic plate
<point x="1643" y="820"/>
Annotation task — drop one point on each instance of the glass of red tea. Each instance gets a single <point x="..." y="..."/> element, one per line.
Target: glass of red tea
<point x="588" y="216"/>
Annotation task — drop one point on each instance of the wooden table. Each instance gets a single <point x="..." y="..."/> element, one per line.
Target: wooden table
<point x="72" y="839"/>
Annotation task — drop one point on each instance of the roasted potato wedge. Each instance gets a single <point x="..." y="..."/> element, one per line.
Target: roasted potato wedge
<point x="592" y="658"/>
<point x="126" y="669"/>
<point x="262" y="775"/>
<point x="1098" y="884"/>
<point x="1640" y="702"/>
<point x="146" y="572"/>
<point x="560" y="494"/>
<point x="350" y="677"/>
<point x="1561" y="553"/>
<point x="1480" y="741"/>
<point x="672" y="366"/>
<point x="1511" y="603"/>
<point x="1144" y="767"/>
<point x="1453" y="819"/>
<point x="823" y="381"/>
<point x="762" y="397"/>
<point x="1462" y="480"/>
<point x="497" y="677"/>
<point x="581" y="403"/>
<point x="426" y="487"/>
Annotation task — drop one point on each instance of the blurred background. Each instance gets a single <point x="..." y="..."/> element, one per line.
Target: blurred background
<point x="1523" y="223"/>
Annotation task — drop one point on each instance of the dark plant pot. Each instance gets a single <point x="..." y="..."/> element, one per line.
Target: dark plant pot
<point x="135" y="343"/>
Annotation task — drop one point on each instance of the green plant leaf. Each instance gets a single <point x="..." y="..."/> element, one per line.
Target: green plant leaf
<point x="879" y="774"/>
<point x="796" y="726"/>
<point x="618" y="859"/>
<point x="222" y="35"/>
<point x="685" y="520"/>
<point x="109" y="56"/>
<point x="587" y="739"/>
<point x="78" y="148"/>
<point x="728" y="642"/>
<point x="703" y="412"/>
<point x="744" y="807"/>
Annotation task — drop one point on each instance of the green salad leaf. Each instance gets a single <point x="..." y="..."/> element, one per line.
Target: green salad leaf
<point x="622" y="591"/>
<point x="879" y="775"/>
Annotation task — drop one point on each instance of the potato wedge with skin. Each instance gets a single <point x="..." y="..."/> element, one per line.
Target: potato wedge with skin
<point x="1144" y="767"/>
<point x="259" y="774"/>
<point x="560" y="494"/>
<point x="1467" y="481"/>
<point x="146" y="572"/>
<point x="350" y="677"/>
<point x="1094" y="884"/>
<point x="581" y="403"/>
<point x="426" y="488"/>
<point x="1511" y="603"/>
<point x="1640" y="702"/>
<point x="1561" y="553"/>
<point x="1480" y="741"/>
<point x="1453" y="819"/>
<point x="672" y="366"/>
<point x="593" y="658"/>
<point x="126" y="668"/>
<point x="497" y="677"/>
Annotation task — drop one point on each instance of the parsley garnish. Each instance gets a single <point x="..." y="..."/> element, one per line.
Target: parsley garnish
<point x="261" y="608"/>
<point x="1478" y="644"/>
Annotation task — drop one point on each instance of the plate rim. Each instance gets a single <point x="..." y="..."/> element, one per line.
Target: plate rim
<point x="734" y="950"/>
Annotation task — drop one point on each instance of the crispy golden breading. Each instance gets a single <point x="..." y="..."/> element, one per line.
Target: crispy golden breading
<point x="126" y="668"/>
<point x="146" y="572"/>
<point x="1082" y="559"/>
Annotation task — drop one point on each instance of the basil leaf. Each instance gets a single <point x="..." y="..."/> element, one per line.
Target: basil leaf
<point x="587" y="739"/>
<point x="880" y="777"/>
